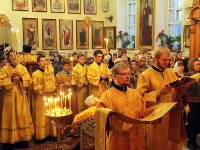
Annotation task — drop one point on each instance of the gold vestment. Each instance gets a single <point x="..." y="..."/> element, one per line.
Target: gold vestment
<point x="17" y="123"/>
<point x="149" y="84"/>
<point x="97" y="87"/>
<point x="80" y="72"/>
<point x="43" y="125"/>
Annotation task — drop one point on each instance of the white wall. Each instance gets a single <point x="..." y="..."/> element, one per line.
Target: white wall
<point x="116" y="8"/>
<point x="16" y="20"/>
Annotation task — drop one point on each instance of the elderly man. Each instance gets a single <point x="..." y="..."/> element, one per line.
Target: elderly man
<point x="99" y="75"/>
<point x="152" y="85"/>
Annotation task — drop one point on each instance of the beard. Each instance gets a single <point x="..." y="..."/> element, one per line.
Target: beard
<point x="160" y="66"/>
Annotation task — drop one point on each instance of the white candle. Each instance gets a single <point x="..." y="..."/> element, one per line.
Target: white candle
<point x="69" y="99"/>
<point x="55" y="102"/>
<point x="65" y="101"/>
<point x="49" y="103"/>
<point x="61" y="101"/>
<point x="45" y="102"/>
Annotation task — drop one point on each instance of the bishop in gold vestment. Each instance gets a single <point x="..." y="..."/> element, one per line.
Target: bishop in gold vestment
<point x="82" y="85"/>
<point x="43" y="125"/>
<point x="151" y="85"/>
<point x="99" y="75"/>
<point x="17" y="125"/>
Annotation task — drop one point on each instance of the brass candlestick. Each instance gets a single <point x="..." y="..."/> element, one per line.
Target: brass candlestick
<point x="59" y="127"/>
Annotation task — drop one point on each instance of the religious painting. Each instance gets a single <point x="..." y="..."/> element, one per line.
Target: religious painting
<point x="82" y="35"/>
<point x="186" y="35"/>
<point x="57" y="6"/>
<point x="66" y="34"/>
<point x="19" y="4"/>
<point x="49" y="36"/>
<point x="146" y="19"/>
<point x="30" y="32"/>
<point x="110" y="34"/>
<point x="39" y="5"/>
<point x="74" y="6"/>
<point x="97" y="34"/>
<point x="90" y="7"/>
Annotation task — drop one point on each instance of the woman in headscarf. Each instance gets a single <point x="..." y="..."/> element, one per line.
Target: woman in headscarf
<point x="178" y="57"/>
<point x="193" y="118"/>
<point x="178" y="68"/>
<point x="136" y="71"/>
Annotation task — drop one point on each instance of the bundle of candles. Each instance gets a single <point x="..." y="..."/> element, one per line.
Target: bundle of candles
<point x="59" y="106"/>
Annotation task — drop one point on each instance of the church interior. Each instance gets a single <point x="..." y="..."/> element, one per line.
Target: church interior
<point x="83" y="26"/>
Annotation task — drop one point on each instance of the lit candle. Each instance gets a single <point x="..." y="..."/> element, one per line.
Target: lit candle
<point x="49" y="103"/>
<point x="55" y="102"/>
<point x="65" y="101"/>
<point x="17" y="31"/>
<point x="69" y="99"/>
<point x="106" y="40"/>
<point x="13" y="36"/>
<point x="45" y="102"/>
<point x="61" y="101"/>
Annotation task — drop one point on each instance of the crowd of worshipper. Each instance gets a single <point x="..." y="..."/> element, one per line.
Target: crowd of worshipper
<point x="23" y="120"/>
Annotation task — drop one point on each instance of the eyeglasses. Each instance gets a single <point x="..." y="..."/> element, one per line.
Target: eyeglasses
<point x="165" y="59"/>
<point x="124" y="74"/>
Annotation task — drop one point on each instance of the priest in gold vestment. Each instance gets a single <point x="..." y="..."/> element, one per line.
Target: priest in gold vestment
<point x="151" y="85"/>
<point x="99" y="75"/>
<point x="16" y="125"/>
<point x="82" y="85"/>
<point x="64" y="83"/>
<point x="43" y="86"/>
<point x="129" y="103"/>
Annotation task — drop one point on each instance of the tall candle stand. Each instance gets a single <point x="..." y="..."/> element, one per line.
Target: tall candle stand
<point x="58" y="112"/>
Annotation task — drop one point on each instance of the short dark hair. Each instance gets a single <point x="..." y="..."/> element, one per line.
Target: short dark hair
<point x="74" y="53"/>
<point x="80" y="55"/>
<point x="9" y="53"/>
<point x="98" y="51"/>
<point x="114" y="54"/>
<point x="40" y="56"/>
<point x="65" y="61"/>
<point x="178" y="52"/>
<point x="2" y="58"/>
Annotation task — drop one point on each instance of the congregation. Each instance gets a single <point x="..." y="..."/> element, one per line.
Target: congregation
<point x="131" y="86"/>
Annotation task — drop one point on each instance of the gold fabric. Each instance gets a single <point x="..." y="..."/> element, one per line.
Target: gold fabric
<point x="149" y="84"/>
<point x="17" y="123"/>
<point x="97" y="87"/>
<point x="61" y="86"/>
<point x="101" y="116"/>
<point x="80" y="74"/>
<point x="84" y="115"/>
<point x="27" y="58"/>
<point x="1" y="100"/>
<point x="43" y="125"/>
<point x="123" y="135"/>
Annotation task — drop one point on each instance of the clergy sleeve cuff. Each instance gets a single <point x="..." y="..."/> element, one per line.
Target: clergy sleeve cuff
<point x="158" y="94"/>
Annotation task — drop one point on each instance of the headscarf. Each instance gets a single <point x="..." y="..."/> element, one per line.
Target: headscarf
<point x="191" y="66"/>
<point x="176" y="66"/>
